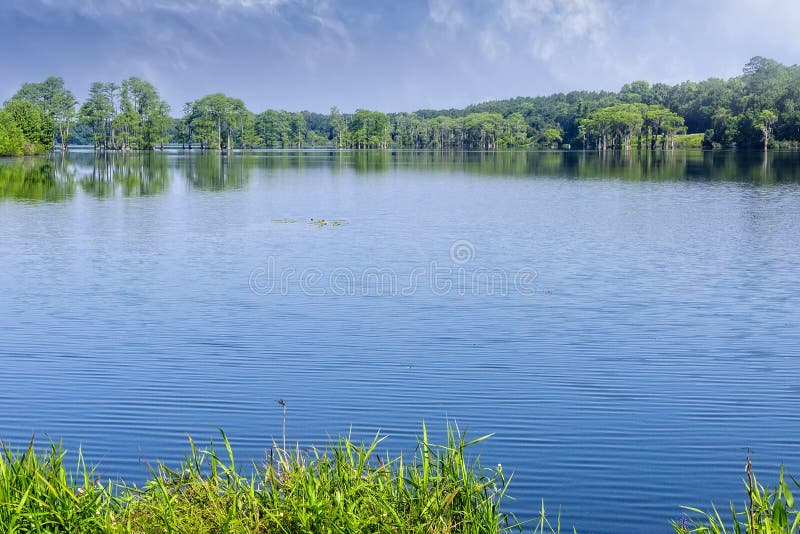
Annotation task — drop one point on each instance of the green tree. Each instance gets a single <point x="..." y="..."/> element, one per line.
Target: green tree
<point x="297" y="129"/>
<point x="338" y="128"/>
<point x="34" y="125"/>
<point x="272" y="128"/>
<point x="767" y="119"/>
<point x="12" y="140"/>
<point x="98" y="112"/>
<point x="248" y="136"/>
<point x="370" y="129"/>
<point x="147" y="115"/>
<point x="57" y="102"/>
<point x="128" y="125"/>
<point x="550" y="137"/>
<point x="616" y="125"/>
<point x="724" y="126"/>
<point x="216" y="118"/>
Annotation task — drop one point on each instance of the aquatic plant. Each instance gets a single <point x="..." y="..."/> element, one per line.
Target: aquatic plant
<point x="346" y="487"/>
<point x="38" y="494"/>
<point x="768" y="511"/>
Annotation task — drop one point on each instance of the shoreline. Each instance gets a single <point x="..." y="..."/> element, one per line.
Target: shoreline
<point x="346" y="487"/>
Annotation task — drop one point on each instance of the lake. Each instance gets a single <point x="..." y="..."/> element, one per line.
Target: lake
<point x="627" y="326"/>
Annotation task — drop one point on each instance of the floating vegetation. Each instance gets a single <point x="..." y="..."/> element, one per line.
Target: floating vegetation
<point x="325" y="222"/>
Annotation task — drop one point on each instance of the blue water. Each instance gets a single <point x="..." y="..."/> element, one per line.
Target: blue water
<point x="626" y="329"/>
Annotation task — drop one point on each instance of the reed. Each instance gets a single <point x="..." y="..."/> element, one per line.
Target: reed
<point x="766" y="511"/>
<point x="37" y="494"/>
<point x="346" y="487"/>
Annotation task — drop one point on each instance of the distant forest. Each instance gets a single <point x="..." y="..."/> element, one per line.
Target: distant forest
<point x="759" y="108"/>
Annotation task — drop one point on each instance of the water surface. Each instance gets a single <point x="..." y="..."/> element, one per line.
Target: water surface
<point x="627" y="326"/>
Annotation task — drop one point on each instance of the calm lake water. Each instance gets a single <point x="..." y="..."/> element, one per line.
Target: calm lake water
<point x="627" y="326"/>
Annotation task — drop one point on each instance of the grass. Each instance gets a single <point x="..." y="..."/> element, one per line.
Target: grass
<point x="767" y="511"/>
<point x="38" y="495"/>
<point x="345" y="488"/>
<point x="689" y="140"/>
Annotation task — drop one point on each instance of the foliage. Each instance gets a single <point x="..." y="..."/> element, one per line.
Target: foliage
<point x="217" y="119"/>
<point x="767" y="119"/>
<point x="143" y="119"/>
<point x="689" y="140"/>
<point x="35" y="126"/>
<point x="129" y="116"/>
<point x="37" y="494"/>
<point x="483" y="131"/>
<point x="56" y="102"/>
<point x="768" y="511"/>
<point x="348" y="487"/>
<point x="731" y="108"/>
<point x="99" y="112"/>
<point x="761" y="107"/>
<point x="24" y="129"/>
<point x="12" y="140"/>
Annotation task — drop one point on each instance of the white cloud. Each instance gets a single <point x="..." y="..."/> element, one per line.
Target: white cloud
<point x="105" y="8"/>
<point x="492" y="45"/>
<point x="338" y="51"/>
<point x="182" y="31"/>
<point x="446" y="13"/>
<point x="543" y="29"/>
<point x="555" y="26"/>
<point x="263" y="4"/>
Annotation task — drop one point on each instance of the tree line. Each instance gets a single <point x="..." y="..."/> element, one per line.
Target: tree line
<point x="759" y="108"/>
<point x="42" y="116"/>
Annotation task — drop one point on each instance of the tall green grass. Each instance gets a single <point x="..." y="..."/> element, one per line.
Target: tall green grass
<point x="767" y="511"/>
<point x="37" y="494"/>
<point x="347" y="487"/>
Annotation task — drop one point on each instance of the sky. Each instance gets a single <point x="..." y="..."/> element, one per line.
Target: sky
<point x="388" y="55"/>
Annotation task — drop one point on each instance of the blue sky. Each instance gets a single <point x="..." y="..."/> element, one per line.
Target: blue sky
<point x="391" y="55"/>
